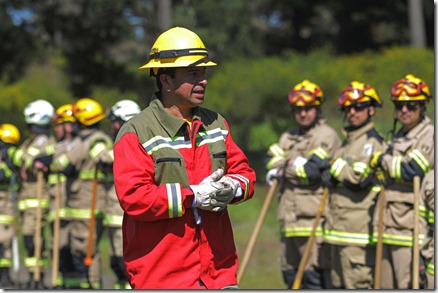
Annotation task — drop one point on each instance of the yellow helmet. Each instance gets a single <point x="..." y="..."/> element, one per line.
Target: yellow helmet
<point x="88" y="111"/>
<point x="9" y="133"/>
<point x="306" y="93"/>
<point x="177" y="47"/>
<point x="359" y="92"/>
<point x="410" y="88"/>
<point x="64" y="114"/>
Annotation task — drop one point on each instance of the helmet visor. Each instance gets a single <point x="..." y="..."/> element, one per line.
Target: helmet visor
<point x="351" y="94"/>
<point x="304" y="96"/>
<point x="410" y="88"/>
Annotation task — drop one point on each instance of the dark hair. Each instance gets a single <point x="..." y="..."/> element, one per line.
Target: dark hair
<point x="168" y="71"/>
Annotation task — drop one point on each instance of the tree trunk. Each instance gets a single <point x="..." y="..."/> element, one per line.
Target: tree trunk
<point x="164" y="14"/>
<point x="416" y="23"/>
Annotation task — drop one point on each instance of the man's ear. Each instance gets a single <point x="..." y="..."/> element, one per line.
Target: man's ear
<point x="371" y="111"/>
<point x="167" y="82"/>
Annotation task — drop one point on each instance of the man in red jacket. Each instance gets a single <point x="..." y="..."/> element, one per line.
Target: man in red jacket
<point x="176" y="168"/>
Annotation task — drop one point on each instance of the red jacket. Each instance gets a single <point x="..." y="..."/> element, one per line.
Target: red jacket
<point x="156" y="157"/>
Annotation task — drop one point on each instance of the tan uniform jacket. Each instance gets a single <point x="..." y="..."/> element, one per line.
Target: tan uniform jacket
<point x="428" y="200"/>
<point x="353" y="200"/>
<point x="56" y="178"/>
<point x="86" y="150"/>
<point x="410" y="152"/>
<point x="300" y="198"/>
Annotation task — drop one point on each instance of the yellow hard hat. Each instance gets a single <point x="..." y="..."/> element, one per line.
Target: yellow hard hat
<point x="359" y="92"/>
<point x="64" y="114"/>
<point x="9" y="133"/>
<point x="88" y="111"/>
<point x="410" y="88"/>
<point x="306" y="93"/>
<point x="177" y="47"/>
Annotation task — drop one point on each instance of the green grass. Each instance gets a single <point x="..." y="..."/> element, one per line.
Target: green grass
<point x="263" y="269"/>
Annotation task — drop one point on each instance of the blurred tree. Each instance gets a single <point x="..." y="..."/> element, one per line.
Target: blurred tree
<point x="17" y="44"/>
<point x="105" y="42"/>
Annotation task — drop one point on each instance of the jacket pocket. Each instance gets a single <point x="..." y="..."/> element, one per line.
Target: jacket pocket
<point x="169" y="169"/>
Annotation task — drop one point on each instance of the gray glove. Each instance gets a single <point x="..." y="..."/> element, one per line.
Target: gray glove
<point x="215" y="176"/>
<point x="231" y="190"/>
<point x="206" y="196"/>
<point x="205" y="192"/>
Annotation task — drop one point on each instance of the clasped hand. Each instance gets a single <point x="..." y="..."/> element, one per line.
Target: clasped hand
<point x="215" y="192"/>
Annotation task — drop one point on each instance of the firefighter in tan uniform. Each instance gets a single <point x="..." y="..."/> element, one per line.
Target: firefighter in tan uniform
<point x="119" y="113"/>
<point x="38" y="116"/>
<point x="9" y="138"/>
<point x="65" y="129"/>
<point x="410" y="153"/>
<point x="80" y="164"/>
<point x="428" y="248"/>
<point x="297" y="160"/>
<point x="353" y="191"/>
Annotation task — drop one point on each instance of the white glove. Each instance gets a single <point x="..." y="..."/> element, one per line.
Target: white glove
<point x="234" y="184"/>
<point x="215" y="176"/>
<point x="231" y="189"/>
<point x="205" y="192"/>
<point x="273" y="173"/>
<point x="206" y="196"/>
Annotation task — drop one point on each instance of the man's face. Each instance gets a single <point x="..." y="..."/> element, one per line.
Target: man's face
<point x="304" y="116"/>
<point x="358" y="113"/>
<point x="408" y="113"/>
<point x="187" y="87"/>
<point x="115" y="126"/>
<point x="59" y="131"/>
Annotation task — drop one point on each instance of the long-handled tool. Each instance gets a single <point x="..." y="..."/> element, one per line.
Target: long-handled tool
<point x="379" y="245"/>
<point x="256" y="231"/>
<point x="310" y="240"/>
<point x="15" y="244"/>
<point x="415" y="245"/>
<point x="38" y="228"/>
<point x="89" y="256"/>
<point x="56" y="229"/>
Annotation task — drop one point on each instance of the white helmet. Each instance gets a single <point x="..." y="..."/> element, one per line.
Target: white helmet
<point x="39" y="112"/>
<point x="124" y="110"/>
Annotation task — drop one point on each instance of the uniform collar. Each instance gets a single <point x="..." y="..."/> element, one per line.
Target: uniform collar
<point x="170" y="123"/>
<point x="414" y="132"/>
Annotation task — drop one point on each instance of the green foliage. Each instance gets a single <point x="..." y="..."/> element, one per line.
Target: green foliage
<point x="250" y="93"/>
<point x="41" y="81"/>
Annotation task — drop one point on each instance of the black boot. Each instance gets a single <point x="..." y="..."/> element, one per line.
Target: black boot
<point x="289" y="277"/>
<point x="5" y="279"/>
<point x="312" y="280"/>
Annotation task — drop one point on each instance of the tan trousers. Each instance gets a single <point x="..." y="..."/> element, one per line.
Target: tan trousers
<point x="396" y="267"/>
<point x="352" y="267"/>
